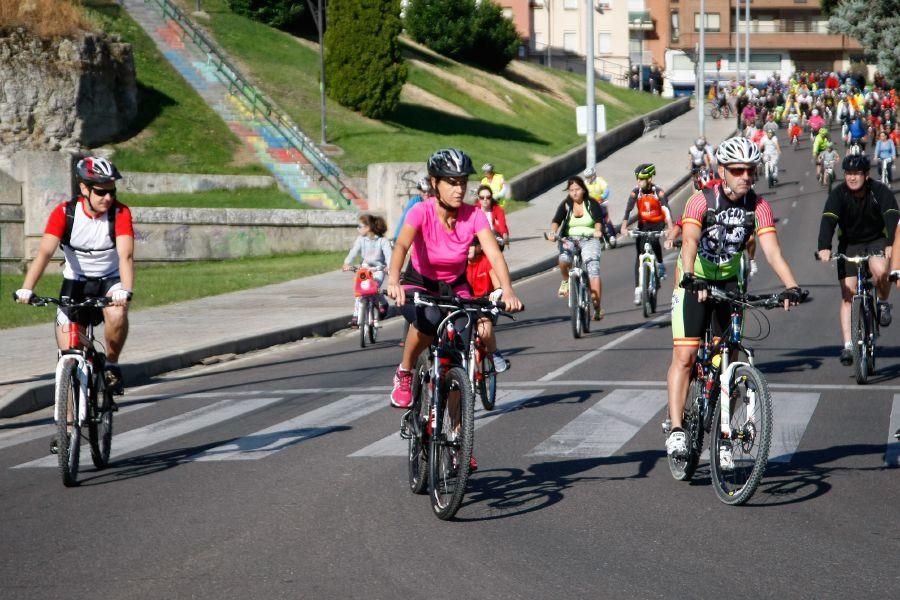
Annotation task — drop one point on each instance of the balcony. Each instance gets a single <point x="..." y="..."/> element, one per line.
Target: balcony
<point x="785" y="26"/>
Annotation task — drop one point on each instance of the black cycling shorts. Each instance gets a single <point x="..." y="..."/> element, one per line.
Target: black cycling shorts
<point x="78" y="290"/>
<point x="690" y="318"/>
<point x="427" y="318"/>
<point x="845" y="269"/>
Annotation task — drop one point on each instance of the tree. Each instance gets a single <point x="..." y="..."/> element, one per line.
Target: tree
<point x="875" y="24"/>
<point x="363" y="67"/>
<point x="287" y="15"/>
<point x="495" y="40"/>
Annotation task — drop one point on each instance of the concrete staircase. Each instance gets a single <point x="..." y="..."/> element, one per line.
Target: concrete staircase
<point x="301" y="169"/>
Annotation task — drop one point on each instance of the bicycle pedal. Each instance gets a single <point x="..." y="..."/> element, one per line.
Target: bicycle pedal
<point x="404" y="425"/>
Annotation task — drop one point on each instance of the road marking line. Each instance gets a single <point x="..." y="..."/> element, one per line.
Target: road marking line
<point x="892" y="453"/>
<point x="314" y="423"/>
<point x="791" y="413"/>
<point x="507" y="402"/>
<point x="603" y="429"/>
<point x="150" y="435"/>
<point x="590" y="355"/>
<point x="282" y="393"/>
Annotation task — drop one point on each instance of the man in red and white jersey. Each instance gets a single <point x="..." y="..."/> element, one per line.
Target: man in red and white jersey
<point x="97" y="237"/>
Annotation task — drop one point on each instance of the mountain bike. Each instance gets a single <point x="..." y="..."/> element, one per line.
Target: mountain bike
<point x="81" y="398"/>
<point x="366" y="288"/>
<point x="648" y="269"/>
<point x="864" y="327"/>
<point x="827" y="178"/>
<point x="794" y="135"/>
<point x="733" y="396"/>
<point x="440" y="423"/>
<point x="885" y="170"/>
<point x="481" y="369"/>
<point x="580" y="302"/>
<point x="770" y="165"/>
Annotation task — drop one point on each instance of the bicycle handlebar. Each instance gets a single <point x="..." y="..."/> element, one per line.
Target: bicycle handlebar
<point x="93" y="302"/>
<point x="851" y="259"/>
<point x="458" y="303"/>
<point x="638" y="233"/>
<point x="767" y="301"/>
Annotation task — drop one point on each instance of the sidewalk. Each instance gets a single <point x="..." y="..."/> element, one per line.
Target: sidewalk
<point x="180" y="335"/>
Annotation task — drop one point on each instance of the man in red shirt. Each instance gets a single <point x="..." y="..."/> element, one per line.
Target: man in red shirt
<point x="97" y="237"/>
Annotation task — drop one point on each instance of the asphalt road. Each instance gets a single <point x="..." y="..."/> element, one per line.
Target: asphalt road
<point x="281" y="474"/>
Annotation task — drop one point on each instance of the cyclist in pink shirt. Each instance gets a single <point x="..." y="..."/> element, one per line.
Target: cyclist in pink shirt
<point x="440" y="231"/>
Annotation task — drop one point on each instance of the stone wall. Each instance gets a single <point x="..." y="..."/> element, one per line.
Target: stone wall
<point x="64" y="93"/>
<point x="390" y="186"/>
<point x="186" y="183"/>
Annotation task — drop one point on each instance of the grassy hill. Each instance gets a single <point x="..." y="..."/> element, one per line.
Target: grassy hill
<point x="515" y="120"/>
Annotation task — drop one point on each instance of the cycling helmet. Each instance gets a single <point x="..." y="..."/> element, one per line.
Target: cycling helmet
<point x="855" y="150"/>
<point x="423" y="185"/>
<point x="93" y="169"/>
<point x="450" y="162"/>
<point x="815" y="112"/>
<point x="589" y="173"/>
<point x="487" y="168"/>
<point x="829" y="145"/>
<point x="856" y="162"/>
<point x="738" y="150"/>
<point x="700" y="142"/>
<point x="645" y="171"/>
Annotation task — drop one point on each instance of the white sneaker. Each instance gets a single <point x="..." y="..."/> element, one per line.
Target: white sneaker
<point x="676" y="443"/>
<point x="726" y="461"/>
<point x="500" y="363"/>
<point x="637" y="296"/>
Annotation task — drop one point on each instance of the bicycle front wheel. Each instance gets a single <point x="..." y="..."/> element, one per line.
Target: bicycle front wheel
<point x="683" y="467"/>
<point x="371" y="308"/>
<point x="417" y="457"/>
<point x="451" y="445"/>
<point x="586" y="304"/>
<point x="487" y="385"/>
<point x="645" y="290"/>
<point x="363" y="321"/>
<point x="736" y="480"/>
<point x="100" y="427"/>
<point x="859" y="340"/>
<point x="575" y="306"/>
<point x="68" y="432"/>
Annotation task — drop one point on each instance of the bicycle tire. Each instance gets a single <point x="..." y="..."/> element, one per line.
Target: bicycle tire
<point x="100" y="425"/>
<point x="654" y="290"/>
<point x="362" y="322"/>
<point x="68" y="443"/>
<point x="683" y="468"/>
<point x="873" y="328"/>
<point x="417" y="454"/>
<point x="373" y="331"/>
<point x="715" y="113"/>
<point x="586" y="304"/>
<point x="645" y="290"/>
<point x="450" y="450"/>
<point x="575" y="306"/>
<point x="753" y="432"/>
<point x="487" y="385"/>
<point x="859" y="341"/>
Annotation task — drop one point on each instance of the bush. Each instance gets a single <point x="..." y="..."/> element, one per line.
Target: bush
<point x="45" y="18"/>
<point x="287" y="15"/>
<point x="363" y="67"/>
<point x="464" y="30"/>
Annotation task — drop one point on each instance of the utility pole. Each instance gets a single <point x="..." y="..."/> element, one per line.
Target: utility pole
<point x="319" y="18"/>
<point x="549" y="24"/>
<point x="591" y="154"/>
<point x="737" y="40"/>
<point x="747" y="42"/>
<point x="701" y="70"/>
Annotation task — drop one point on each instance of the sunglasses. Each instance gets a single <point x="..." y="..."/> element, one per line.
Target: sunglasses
<point x="361" y="226"/>
<point x="740" y="171"/>
<point x="484" y="197"/>
<point x="101" y="192"/>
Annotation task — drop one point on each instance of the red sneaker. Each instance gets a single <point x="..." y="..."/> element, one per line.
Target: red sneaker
<point x="401" y="395"/>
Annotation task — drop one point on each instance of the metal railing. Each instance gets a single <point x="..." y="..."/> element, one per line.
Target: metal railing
<point x="259" y="103"/>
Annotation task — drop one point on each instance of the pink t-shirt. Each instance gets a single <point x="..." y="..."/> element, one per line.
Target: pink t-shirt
<point x="440" y="254"/>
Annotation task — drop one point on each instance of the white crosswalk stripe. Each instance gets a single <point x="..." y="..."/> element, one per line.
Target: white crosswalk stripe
<point x="15" y="437"/>
<point x="507" y="401"/>
<point x="604" y="428"/>
<point x="791" y="413"/>
<point x="155" y="433"/>
<point x="892" y="454"/>
<point x="317" y="422"/>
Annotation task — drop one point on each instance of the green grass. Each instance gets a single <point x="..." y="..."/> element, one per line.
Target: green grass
<point x="288" y="71"/>
<point x="262" y="198"/>
<point x="160" y="285"/>
<point x="175" y="130"/>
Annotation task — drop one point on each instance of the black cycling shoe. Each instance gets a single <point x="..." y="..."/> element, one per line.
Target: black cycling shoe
<point x="54" y="445"/>
<point x="884" y="314"/>
<point x="114" y="381"/>
<point x="846" y="357"/>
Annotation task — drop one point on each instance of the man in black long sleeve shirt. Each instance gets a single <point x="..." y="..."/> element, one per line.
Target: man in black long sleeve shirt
<point x="866" y="212"/>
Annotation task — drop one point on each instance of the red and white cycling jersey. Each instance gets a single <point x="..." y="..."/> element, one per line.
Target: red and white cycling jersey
<point x="96" y="255"/>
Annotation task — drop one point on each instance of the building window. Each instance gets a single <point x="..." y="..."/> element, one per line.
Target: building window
<point x="570" y="4"/>
<point x="508" y="13"/>
<point x="676" y="29"/>
<point x="604" y="42"/>
<point x="570" y="41"/>
<point x="712" y="22"/>
<point x="538" y="42"/>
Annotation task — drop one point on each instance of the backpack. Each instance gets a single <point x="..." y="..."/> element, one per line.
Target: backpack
<point x="712" y="204"/>
<point x="66" y="239"/>
<point x="649" y="208"/>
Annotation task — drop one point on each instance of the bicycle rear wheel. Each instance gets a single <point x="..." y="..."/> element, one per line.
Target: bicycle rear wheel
<point x="417" y="456"/>
<point x="363" y="321"/>
<point x="68" y="433"/>
<point x="100" y="426"/>
<point x="751" y="434"/>
<point x="371" y="308"/>
<point x="586" y="304"/>
<point x="859" y="340"/>
<point x="683" y="467"/>
<point x="487" y="385"/>
<point x="575" y="306"/>
<point x="451" y="446"/>
<point x="645" y="290"/>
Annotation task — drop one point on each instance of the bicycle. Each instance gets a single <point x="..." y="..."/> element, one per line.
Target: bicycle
<point x="864" y="327"/>
<point x="580" y="303"/>
<point x="440" y="423"/>
<point x="716" y="110"/>
<point x="648" y="269"/>
<point x="827" y="177"/>
<point x="885" y="171"/>
<point x="733" y="395"/>
<point x="366" y="288"/>
<point x="81" y="397"/>
<point x="481" y="369"/>
<point x="770" y="165"/>
<point x="794" y="135"/>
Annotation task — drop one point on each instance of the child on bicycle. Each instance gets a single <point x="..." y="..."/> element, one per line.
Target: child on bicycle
<point x="375" y="250"/>
<point x="485" y="284"/>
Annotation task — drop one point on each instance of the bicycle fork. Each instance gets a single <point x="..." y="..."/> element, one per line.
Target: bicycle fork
<point x="82" y="377"/>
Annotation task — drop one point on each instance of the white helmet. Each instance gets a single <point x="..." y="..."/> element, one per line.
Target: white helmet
<point x="588" y="173"/>
<point x="815" y="112"/>
<point x="738" y="150"/>
<point x="700" y="142"/>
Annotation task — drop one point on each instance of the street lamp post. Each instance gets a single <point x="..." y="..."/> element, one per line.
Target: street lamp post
<point x="318" y="17"/>
<point x="747" y="41"/>
<point x="701" y="69"/>
<point x="591" y="154"/>
<point x="737" y="40"/>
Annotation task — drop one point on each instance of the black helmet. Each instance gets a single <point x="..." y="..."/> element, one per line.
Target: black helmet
<point x="856" y="162"/>
<point x="92" y="169"/>
<point x="645" y="171"/>
<point x="450" y="162"/>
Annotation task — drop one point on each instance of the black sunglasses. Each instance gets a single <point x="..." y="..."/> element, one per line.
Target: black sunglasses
<point x="739" y="171"/>
<point x="100" y="192"/>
